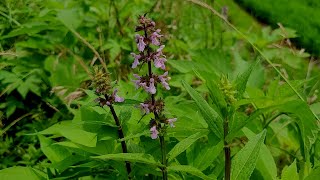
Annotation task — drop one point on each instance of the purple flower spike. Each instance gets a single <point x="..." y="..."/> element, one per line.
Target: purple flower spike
<point x="116" y="97"/>
<point x="164" y="78"/>
<point x="155" y="37"/>
<point x="145" y="107"/>
<point x="159" y="63"/>
<point x="141" y="44"/>
<point x="154" y="132"/>
<point x="160" y="49"/>
<point x="151" y="89"/>
<point x="171" y="121"/>
<point x="136" y="60"/>
<point x="137" y="82"/>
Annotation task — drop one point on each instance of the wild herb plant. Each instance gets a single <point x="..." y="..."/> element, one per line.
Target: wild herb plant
<point x="252" y="113"/>
<point x="153" y="58"/>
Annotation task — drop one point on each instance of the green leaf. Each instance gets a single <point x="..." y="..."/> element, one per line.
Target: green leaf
<point x="18" y="172"/>
<point x="72" y="132"/>
<point x="67" y="162"/>
<point x="131" y="157"/>
<point x="183" y="145"/>
<point x="315" y="174"/>
<point x="241" y="81"/>
<point x="306" y="121"/>
<point x="238" y="123"/>
<point x="265" y="162"/>
<point x="217" y="96"/>
<point x="207" y="156"/>
<point x="188" y="169"/>
<point x="212" y="118"/>
<point x="290" y="173"/>
<point x="69" y="17"/>
<point x="245" y="160"/>
<point x="55" y="153"/>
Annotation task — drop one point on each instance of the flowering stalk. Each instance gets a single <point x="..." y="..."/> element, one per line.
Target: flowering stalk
<point x="229" y="93"/>
<point x="150" y="52"/>
<point x="103" y="87"/>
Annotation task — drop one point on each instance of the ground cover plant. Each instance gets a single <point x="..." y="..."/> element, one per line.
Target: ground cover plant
<point x="153" y="90"/>
<point x="289" y="14"/>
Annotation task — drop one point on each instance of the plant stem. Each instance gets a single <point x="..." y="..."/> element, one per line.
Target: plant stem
<point x="121" y="136"/>
<point x="227" y="152"/>
<point x="156" y="116"/>
<point x="164" y="158"/>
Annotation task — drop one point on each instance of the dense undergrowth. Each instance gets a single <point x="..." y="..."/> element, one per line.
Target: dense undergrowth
<point x="224" y="92"/>
<point x="299" y="15"/>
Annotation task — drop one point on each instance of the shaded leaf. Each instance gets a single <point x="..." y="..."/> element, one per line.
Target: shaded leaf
<point x="183" y="145"/>
<point x="188" y="169"/>
<point x="212" y="118"/>
<point x="207" y="156"/>
<point x="131" y="157"/>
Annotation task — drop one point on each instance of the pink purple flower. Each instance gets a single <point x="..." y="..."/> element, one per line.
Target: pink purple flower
<point x="145" y="107"/>
<point x="155" y="37"/>
<point x="154" y="132"/>
<point x="151" y="89"/>
<point x="159" y="63"/>
<point x="116" y="97"/>
<point x="140" y="42"/>
<point x="159" y="50"/>
<point x="171" y="121"/>
<point x="136" y="60"/>
<point x="138" y="82"/>
<point x="163" y="79"/>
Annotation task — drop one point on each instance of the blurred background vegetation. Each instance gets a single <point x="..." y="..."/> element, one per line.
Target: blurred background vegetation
<point x="48" y="49"/>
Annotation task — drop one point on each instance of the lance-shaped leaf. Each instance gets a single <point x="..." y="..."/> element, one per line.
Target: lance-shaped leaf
<point x="131" y="157"/>
<point x="188" y="169"/>
<point x="183" y="145"/>
<point x="306" y="121"/>
<point x="242" y="79"/>
<point x="265" y="162"/>
<point x="245" y="160"/>
<point x="207" y="156"/>
<point x="212" y="118"/>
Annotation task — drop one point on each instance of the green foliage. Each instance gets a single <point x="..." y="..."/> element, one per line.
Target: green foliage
<point x="245" y="160"/>
<point x="52" y="128"/>
<point x="299" y="15"/>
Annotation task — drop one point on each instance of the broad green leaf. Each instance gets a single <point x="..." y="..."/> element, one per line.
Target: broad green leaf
<point x="188" y="169"/>
<point x="55" y="153"/>
<point x="18" y="172"/>
<point x="72" y="132"/>
<point x="69" y="17"/>
<point x="315" y="174"/>
<point x="67" y="162"/>
<point x="207" y="156"/>
<point x="212" y="118"/>
<point x="183" y="145"/>
<point x="291" y="172"/>
<point x="245" y="160"/>
<point x="131" y="157"/>
<point x="265" y="162"/>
